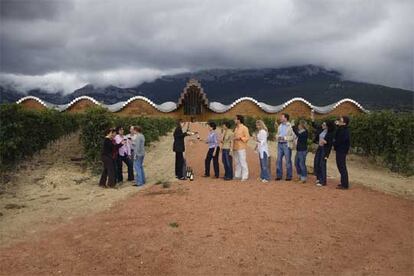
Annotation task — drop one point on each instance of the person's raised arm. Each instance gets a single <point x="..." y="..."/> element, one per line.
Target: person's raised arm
<point x="295" y="130"/>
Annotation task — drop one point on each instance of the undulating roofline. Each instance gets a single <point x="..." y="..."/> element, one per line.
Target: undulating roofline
<point x="214" y="106"/>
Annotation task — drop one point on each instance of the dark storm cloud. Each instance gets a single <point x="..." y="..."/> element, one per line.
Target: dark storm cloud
<point x="65" y="44"/>
<point x="31" y="9"/>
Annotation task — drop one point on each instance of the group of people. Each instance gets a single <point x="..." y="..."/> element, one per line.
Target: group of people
<point x="118" y="149"/>
<point x="130" y="149"/>
<point x="289" y="136"/>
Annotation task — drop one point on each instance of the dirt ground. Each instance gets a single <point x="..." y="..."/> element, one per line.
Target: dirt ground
<point x="212" y="227"/>
<point x="363" y="172"/>
<point x="50" y="189"/>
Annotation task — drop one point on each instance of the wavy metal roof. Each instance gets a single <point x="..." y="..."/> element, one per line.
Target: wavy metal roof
<point x="214" y="106"/>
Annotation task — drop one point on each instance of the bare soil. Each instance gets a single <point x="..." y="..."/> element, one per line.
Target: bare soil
<point x="213" y="227"/>
<point x="50" y="188"/>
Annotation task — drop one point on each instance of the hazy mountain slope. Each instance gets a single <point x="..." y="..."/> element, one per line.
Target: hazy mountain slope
<point x="273" y="86"/>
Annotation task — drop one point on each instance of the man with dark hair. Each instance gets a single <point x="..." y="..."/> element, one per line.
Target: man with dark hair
<point x="179" y="149"/>
<point x="342" y="143"/>
<point x="284" y="138"/>
<point x="241" y="137"/>
<point x="240" y="118"/>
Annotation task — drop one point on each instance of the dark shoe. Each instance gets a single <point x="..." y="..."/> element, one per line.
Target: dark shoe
<point x="288" y="179"/>
<point x="182" y="178"/>
<point x="227" y="179"/>
<point x="206" y="175"/>
<point x="341" y="188"/>
<point x="278" y="179"/>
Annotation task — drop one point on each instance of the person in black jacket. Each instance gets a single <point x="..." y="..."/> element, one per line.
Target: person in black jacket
<point x="325" y="140"/>
<point x="179" y="149"/>
<point x="108" y="172"/>
<point x="342" y="143"/>
<point x="301" y="133"/>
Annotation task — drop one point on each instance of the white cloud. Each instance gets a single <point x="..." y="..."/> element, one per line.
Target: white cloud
<point x="68" y="82"/>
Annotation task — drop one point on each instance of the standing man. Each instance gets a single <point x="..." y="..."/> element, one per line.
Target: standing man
<point x="139" y="153"/>
<point x="284" y="139"/>
<point x="179" y="149"/>
<point x="241" y="137"/>
<point x="342" y="143"/>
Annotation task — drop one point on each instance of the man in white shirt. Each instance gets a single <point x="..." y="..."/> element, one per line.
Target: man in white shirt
<point x="284" y="140"/>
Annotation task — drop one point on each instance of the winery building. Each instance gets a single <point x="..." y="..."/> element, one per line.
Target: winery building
<point x="193" y="104"/>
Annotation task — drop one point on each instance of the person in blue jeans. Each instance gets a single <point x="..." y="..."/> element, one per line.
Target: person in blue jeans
<point x="213" y="151"/>
<point x="284" y="140"/>
<point x="139" y="154"/>
<point x="301" y="150"/>
<point x="226" y="152"/>
<point x="263" y="149"/>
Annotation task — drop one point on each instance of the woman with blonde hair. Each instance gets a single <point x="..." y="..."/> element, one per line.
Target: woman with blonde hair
<point x="263" y="150"/>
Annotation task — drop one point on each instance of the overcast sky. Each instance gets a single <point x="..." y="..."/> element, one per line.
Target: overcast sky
<point x="63" y="45"/>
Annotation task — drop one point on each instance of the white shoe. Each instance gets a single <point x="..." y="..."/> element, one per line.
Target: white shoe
<point x="319" y="184"/>
<point x="264" y="181"/>
<point x="244" y="179"/>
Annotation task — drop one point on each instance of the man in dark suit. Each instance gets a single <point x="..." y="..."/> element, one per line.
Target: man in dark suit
<point x="179" y="149"/>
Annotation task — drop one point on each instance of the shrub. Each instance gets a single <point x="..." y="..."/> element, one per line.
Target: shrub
<point x="387" y="137"/>
<point x="24" y="132"/>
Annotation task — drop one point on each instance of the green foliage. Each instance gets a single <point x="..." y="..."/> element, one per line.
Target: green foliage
<point x="24" y="132"/>
<point x="97" y="120"/>
<point x="386" y="136"/>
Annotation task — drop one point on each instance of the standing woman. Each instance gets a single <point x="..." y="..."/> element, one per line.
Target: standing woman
<point x="263" y="150"/>
<point x="179" y="149"/>
<point x="124" y="155"/>
<point x="213" y="151"/>
<point x="108" y="172"/>
<point x="342" y="144"/>
<point x="322" y="153"/>
<point x="301" y="150"/>
<point x="227" y="149"/>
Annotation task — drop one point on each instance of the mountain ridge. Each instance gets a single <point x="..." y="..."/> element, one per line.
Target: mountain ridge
<point x="273" y="86"/>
